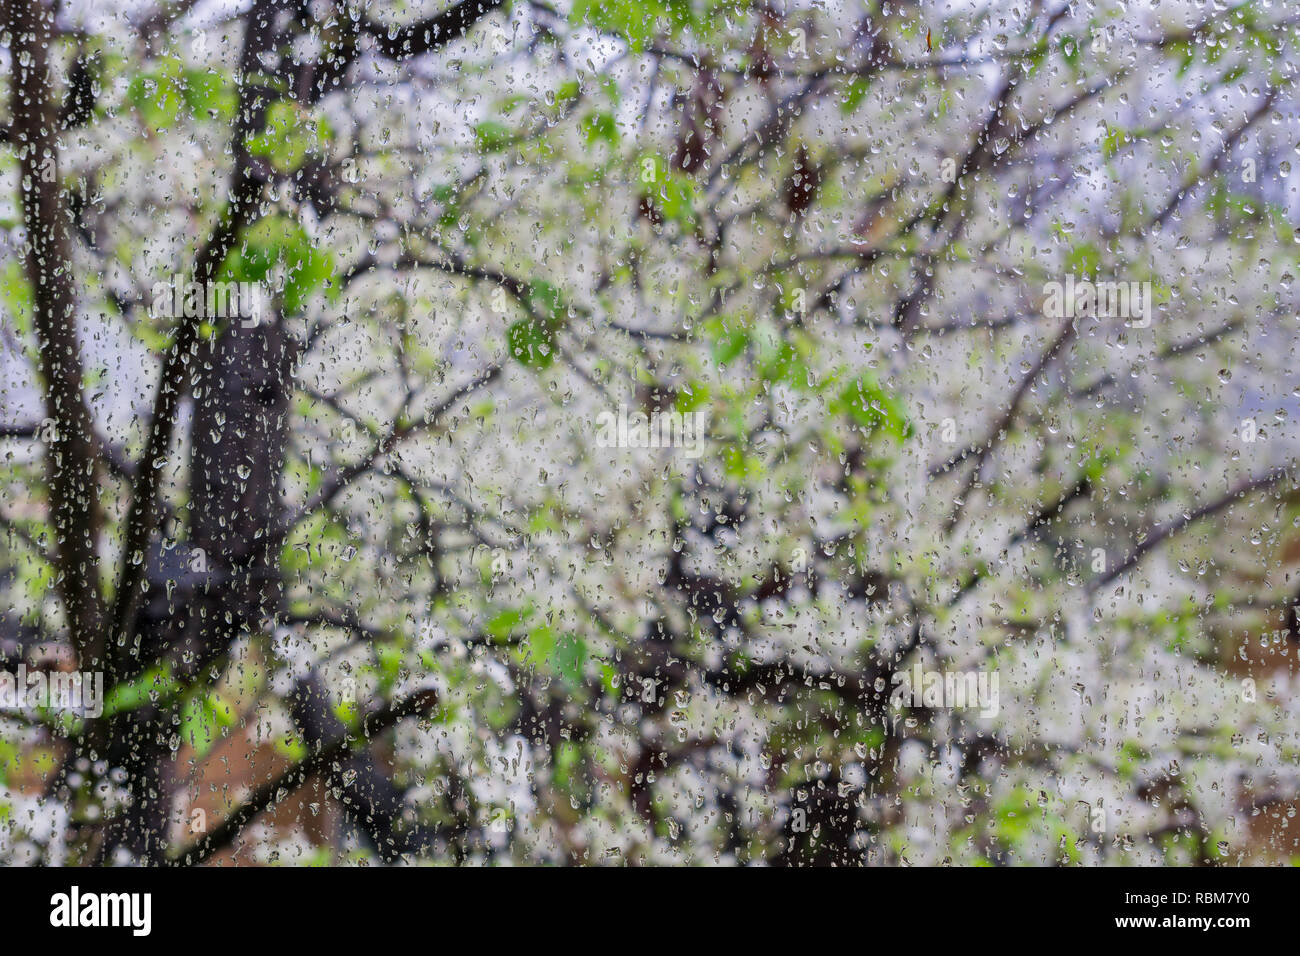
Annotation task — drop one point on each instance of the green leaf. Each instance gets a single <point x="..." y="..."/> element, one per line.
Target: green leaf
<point x="565" y="654"/>
<point x="855" y="91"/>
<point x="867" y="404"/>
<point x="600" y="127"/>
<point x="492" y="136"/>
<point x="547" y="301"/>
<point x="279" y="241"/>
<point x="16" y="292"/>
<point x="507" y="622"/>
<point x="314" y="269"/>
<point x="209" y="95"/>
<point x="677" y="196"/>
<point x="203" y="718"/>
<point x="692" y="397"/>
<point x="1114" y="140"/>
<point x="531" y="343"/>
<point x="784" y="364"/>
<point x="1069" y="47"/>
<point x="157" y="95"/>
<point x="148" y="688"/>
<point x="569" y="658"/>
<point x="1084" y="259"/>
<point x="289" y="136"/>
<point x="729" y="339"/>
<point x="634" y="20"/>
<point x="568" y="91"/>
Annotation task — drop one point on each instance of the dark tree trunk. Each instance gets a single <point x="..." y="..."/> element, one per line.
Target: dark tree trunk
<point x="71" y="458"/>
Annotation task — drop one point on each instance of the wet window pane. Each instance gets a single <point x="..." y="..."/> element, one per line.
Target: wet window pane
<point x="610" y="432"/>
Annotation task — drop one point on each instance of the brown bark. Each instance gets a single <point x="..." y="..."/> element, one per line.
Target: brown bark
<point x="71" y="460"/>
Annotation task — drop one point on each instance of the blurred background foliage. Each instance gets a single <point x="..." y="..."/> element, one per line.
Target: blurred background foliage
<point x="827" y="229"/>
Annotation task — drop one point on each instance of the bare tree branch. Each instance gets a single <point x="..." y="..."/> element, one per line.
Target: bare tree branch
<point x="1157" y="535"/>
<point x="432" y="33"/>
<point x="323" y="760"/>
